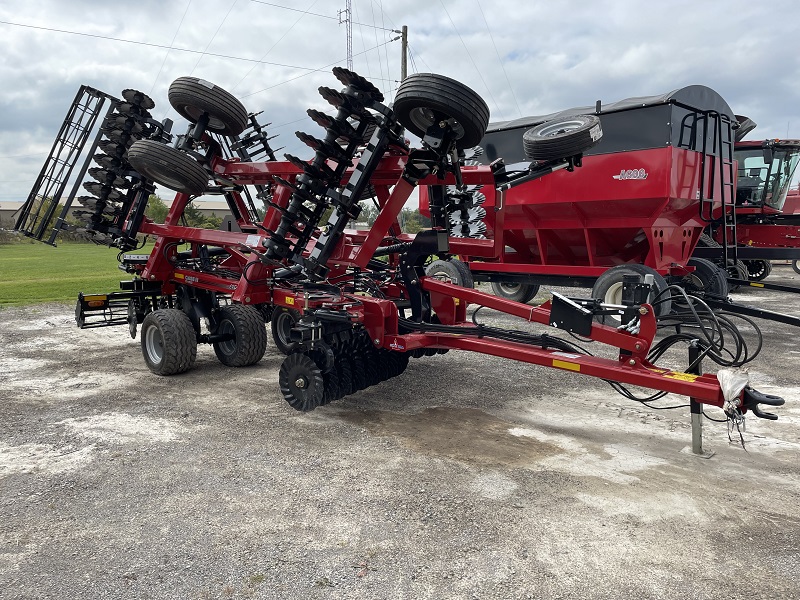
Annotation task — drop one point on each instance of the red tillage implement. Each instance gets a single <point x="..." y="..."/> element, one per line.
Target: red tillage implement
<point x="349" y="308"/>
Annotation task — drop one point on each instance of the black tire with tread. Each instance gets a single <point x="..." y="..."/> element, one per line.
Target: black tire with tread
<point x="192" y="96"/>
<point x="451" y="270"/>
<point x="518" y="292"/>
<point x="796" y="266"/>
<point x="250" y="336"/>
<point x="169" y="341"/>
<point x="424" y="98"/>
<point x="613" y="277"/>
<point x="562" y="138"/>
<point x="168" y="166"/>
<point x="282" y="320"/>
<point x="758" y="269"/>
<point x="712" y="279"/>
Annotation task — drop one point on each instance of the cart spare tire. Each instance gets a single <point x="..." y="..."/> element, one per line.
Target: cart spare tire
<point x="608" y="289"/>
<point x="424" y="99"/>
<point x="452" y="271"/>
<point x="562" y="138"/>
<point x="191" y="97"/>
<point x="168" y="166"/>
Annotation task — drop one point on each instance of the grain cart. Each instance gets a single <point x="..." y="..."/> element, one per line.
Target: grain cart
<point x="349" y="308"/>
<point x="637" y="205"/>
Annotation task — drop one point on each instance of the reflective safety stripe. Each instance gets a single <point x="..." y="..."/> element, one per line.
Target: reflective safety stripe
<point x="562" y="364"/>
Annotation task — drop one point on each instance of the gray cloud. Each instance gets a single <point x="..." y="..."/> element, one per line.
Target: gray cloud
<point x="551" y="56"/>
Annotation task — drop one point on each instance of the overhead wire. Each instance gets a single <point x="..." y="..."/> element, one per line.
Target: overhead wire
<point x="312" y="14"/>
<point x="363" y="43"/>
<point x="271" y="48"/>
<point x="380" y="63"/>
<point x="466" y="49"/>
<point x="500" y="60"/>
<point x="171" y="44"/>
<point x="213" y="37"/>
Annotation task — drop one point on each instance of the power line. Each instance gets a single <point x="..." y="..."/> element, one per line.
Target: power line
<point x="161" y="46"/>
<point x="466" y="49"/>
<point x="171" y="44"/>
<point x="500" y="60"/>
<point x="305" y="12"/>
<point x="221" y="23"/>
<point x="314" y="14"/>
<point x="319" y="70"/>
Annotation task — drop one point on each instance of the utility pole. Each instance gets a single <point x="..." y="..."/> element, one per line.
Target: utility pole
<point x="404" y="55"/>
<point x="348" y="20"/>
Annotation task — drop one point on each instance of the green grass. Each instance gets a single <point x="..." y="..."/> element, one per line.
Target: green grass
<point x="32" y="272"/>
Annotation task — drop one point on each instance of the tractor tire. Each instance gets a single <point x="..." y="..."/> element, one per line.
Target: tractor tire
<point x="562" y="138"/>
<point x="168" y="166"/>
<point x="518" y="292"/>
<point x="169" y="341"/>
<point x="283" y="319"/>
<point x="608" y="289"/>
<point x="758" y="269"/>
<point x="796" y="266"/>
<point x="425" y="99"/>
<point x="191" y="97"/>
<point x="707" y="277"/>
<point x="249" y="341"/>
<point x="453" y="270"/>
<point x="301" y="382"/>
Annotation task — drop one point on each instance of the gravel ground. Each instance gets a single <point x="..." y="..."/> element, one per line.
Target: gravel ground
<point x="466" y="477"/>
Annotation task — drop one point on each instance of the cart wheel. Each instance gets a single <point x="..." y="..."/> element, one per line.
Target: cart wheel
<point x="796" y="266"/>
<point x="168" y="166"/>
<point x="169" y="341"/>
<point x="561" y="138"/>
<point x="608" y="289"/>
<point x="425" y="99"/>
<point x="707" y="278"/>
<point x="248" y="340"/>
<point x="192" y="97"/>
<point x="453" y="271"/>
<point x="283" y="319"/>
<point x="301" y="382"/>
<point x="518" y="292"/>
<point x="758" y="269"/>
<point x="738" y="270"/>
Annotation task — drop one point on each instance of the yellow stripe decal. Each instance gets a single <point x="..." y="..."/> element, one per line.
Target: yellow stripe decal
<point x="562" y="364"/>
<point x="180" y="276"/>
<point x="756" y="284"/>
<point x="682" y="376"/>
<point x="95" y="297"/>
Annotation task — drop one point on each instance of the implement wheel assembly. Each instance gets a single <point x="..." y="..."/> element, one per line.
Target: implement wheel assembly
<point x="561" y="138"/>
<point x="301" y="381"/>
<point x="168" y="166"/>
<point x="758" y="269"/>
<point x="283" y="319"/>
<point x="707" y="278"/>
<point x="169" y="341"/>
<point x="245" y="327"/>
<point x="192" y="97"/>
<point x="608" y="288"/>
<point x="426" y="99"/>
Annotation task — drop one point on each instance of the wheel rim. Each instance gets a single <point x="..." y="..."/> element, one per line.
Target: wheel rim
<point x="561" y="127"/>
<point x="283" y="327"/>
<point x="614" y="294"/>
<point x="228" y="347"/>
<point x="154" y="343"/>
<point x="509" y="288"/>
<point x="423" y="117"/>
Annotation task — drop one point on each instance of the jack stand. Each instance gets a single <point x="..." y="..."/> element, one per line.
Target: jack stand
<point x="696" y="408"/>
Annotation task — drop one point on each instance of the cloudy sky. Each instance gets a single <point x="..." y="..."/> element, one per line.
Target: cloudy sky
<point x="525" y="57"/>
